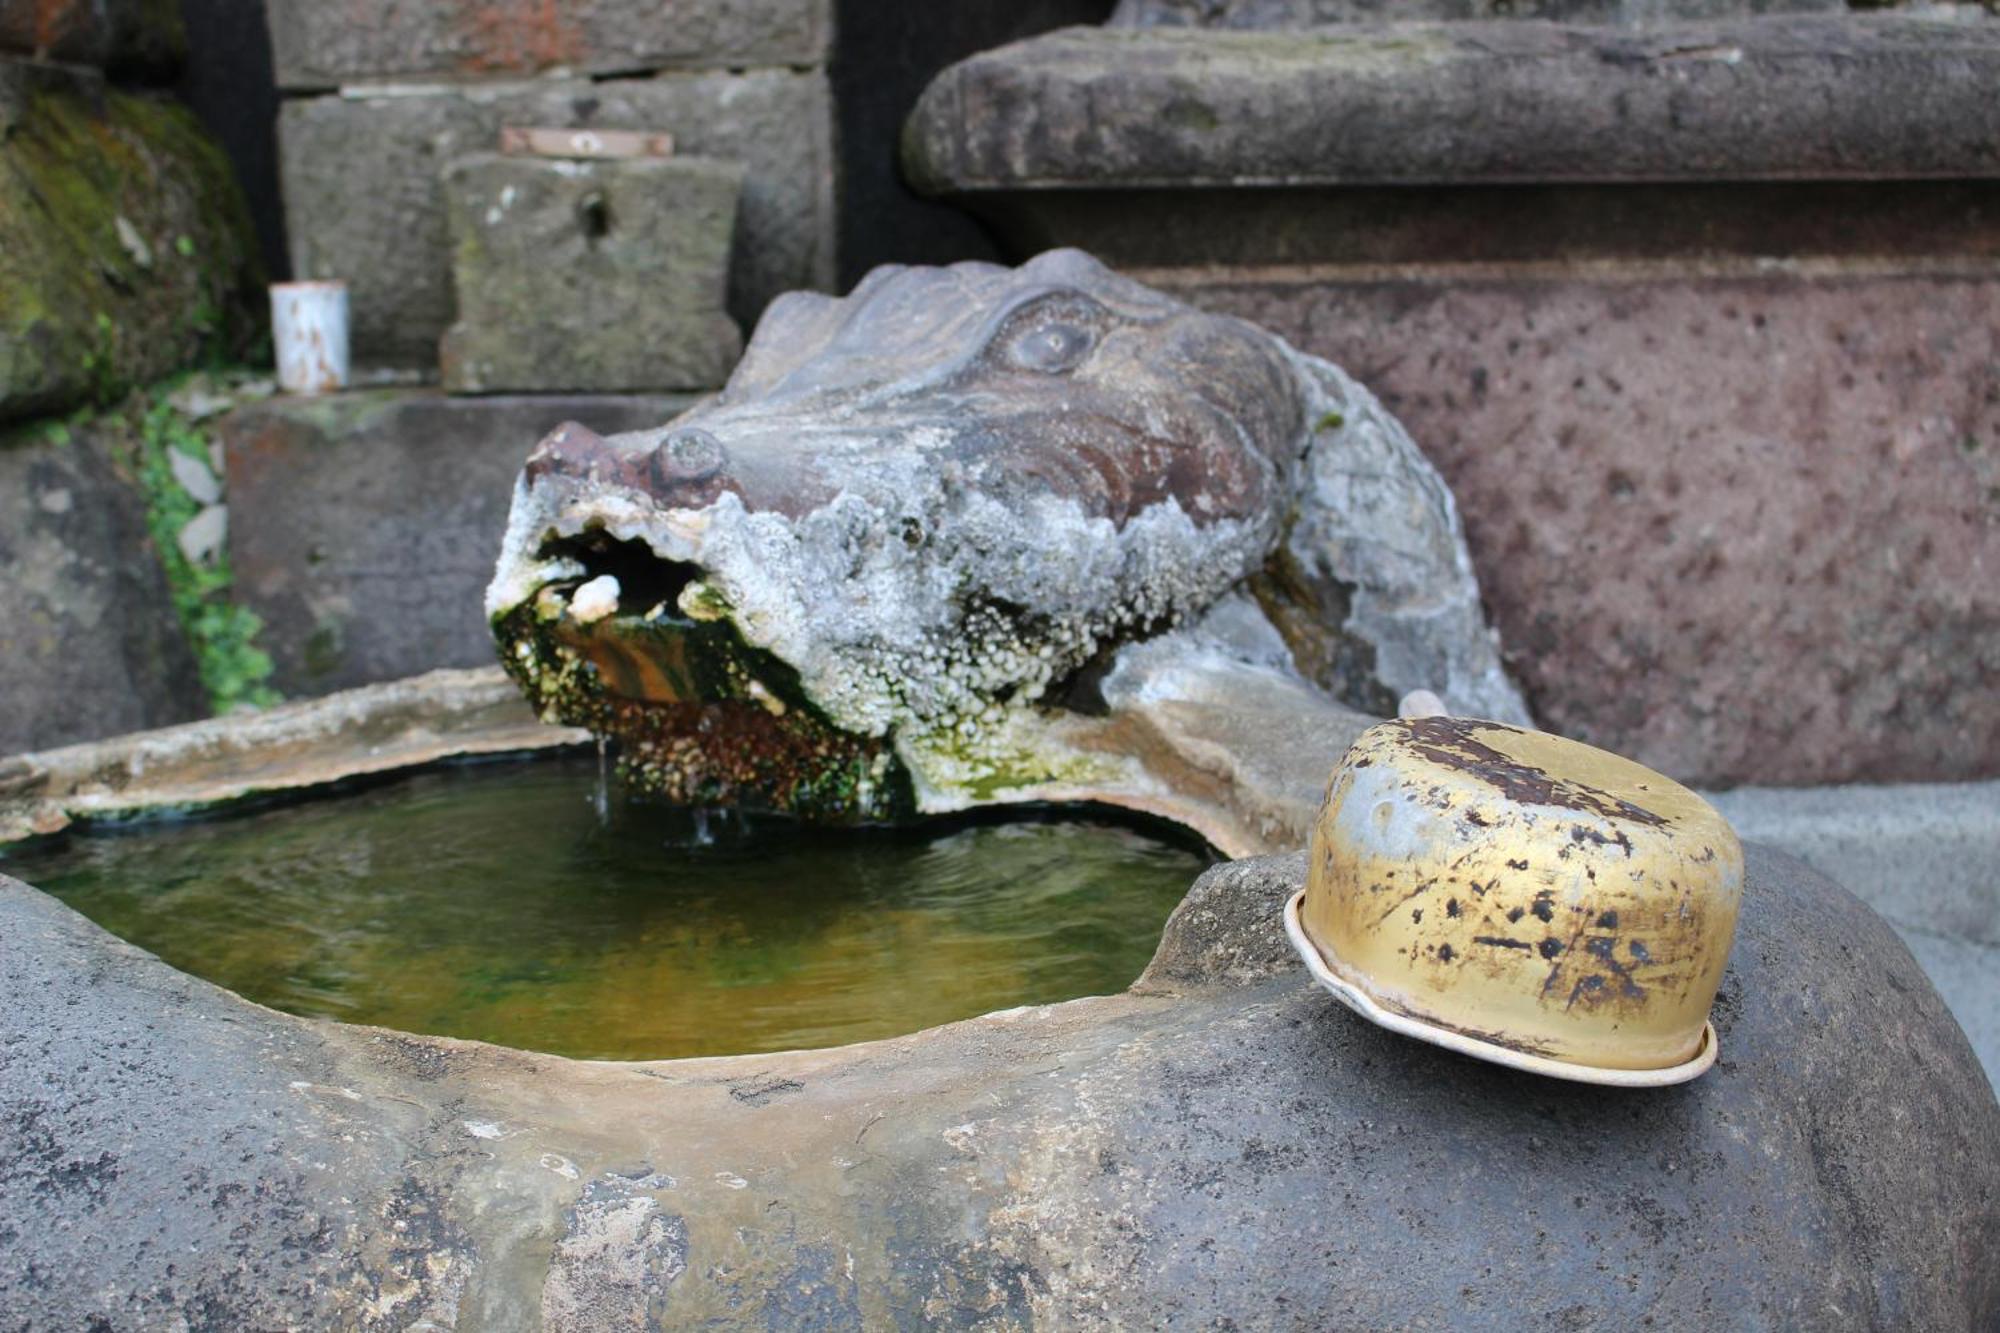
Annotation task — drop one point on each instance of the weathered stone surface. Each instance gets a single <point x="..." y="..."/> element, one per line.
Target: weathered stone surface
<point x="895" y="557"/>
<point x="1924" y="855"/>
<point x="133" y="37"/>
<point x="125" y="250"/>
<point x="1264" y="15"/>
<point x="602" y="277"/>
<point x="1740" y="526"/>
<point x="1219" y="1147"/>
<point x="1221" y="934"/>
<point x="285" y="748"/>
<point x="91" y="644"/>
<point x="363" y="526"/>
<point x="364" y="200"/>
<point x="316" y="45"/>
<point x="1233" y="742"/>
<point x="1496" y="102"/>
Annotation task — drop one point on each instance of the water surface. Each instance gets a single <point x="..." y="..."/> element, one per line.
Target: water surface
<point x="490" y="901"/>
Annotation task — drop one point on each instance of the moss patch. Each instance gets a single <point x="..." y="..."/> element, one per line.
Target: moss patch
<point x="141" y="433"/>
<point x="223" y="634"/>
<point x="125" y="246"/>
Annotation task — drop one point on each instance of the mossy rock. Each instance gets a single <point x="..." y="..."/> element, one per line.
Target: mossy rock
<point x="125" y="246"/>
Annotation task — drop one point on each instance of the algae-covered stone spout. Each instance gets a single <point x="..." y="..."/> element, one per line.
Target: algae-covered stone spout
<point x="888" y="565"/>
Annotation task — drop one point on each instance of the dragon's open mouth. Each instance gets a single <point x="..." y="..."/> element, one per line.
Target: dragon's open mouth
<point x="641" y="648"/>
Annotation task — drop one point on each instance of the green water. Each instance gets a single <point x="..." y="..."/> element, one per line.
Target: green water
<point x="490" y="901"/>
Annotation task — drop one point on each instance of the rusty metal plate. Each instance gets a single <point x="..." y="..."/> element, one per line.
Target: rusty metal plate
<point x="550" y="141"/>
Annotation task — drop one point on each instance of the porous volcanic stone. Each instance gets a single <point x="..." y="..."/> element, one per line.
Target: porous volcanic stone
<point x="1739" y="526"/>
<point x="91" y="644"/>
<point x="1227" y="1145"/>
<point x="317" y="45"/>
<point x="363" y="526"/>
<point x="1280" y="15"/>
<point x="590" y="276"/>
<point x="125" y="248"/>
<point x="364" y="200"/>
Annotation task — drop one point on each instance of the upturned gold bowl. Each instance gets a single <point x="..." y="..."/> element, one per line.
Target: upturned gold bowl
<point x="1521" y="898"/>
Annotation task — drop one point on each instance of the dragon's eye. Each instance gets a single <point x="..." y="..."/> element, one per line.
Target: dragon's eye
<point x="1050" y="348"/>
<point x="1052" y="334"/>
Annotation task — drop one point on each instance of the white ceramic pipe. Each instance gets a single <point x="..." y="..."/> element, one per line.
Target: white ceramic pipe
<point x="309" y="328"/>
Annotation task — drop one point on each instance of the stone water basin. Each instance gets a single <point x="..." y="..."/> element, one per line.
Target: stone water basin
<point x="1220" y="1144"/>
<point x="511" y="902"/>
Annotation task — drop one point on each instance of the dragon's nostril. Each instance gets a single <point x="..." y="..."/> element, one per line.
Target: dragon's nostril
<point x="688" y="454"/>
<point x="568" y="450"/>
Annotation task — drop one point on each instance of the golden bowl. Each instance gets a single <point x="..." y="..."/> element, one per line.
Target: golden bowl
<point x="1521" y="898"/>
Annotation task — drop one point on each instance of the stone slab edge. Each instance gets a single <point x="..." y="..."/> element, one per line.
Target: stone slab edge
<point x="1799" y="97"/>
<point x="371" y="730"/>
<point x="316" y="46"/>
<point x="1924" y="855"/>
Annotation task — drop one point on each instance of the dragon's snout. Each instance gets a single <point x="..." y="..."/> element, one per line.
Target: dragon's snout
<point x="668" y="467"/>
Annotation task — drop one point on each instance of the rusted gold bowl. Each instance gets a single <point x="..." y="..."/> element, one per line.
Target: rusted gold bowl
<point x="1521" y="898"/>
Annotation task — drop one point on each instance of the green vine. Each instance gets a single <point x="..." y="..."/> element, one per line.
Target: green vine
<point x="224" y="635"/>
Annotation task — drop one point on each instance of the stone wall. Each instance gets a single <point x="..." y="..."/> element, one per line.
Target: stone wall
<point x="92" y="642"/>
<point x="1715" y="377"/>
<point x="125" y="257"/>
<point x="365" y="202"/>
<point x="365" y="525"/>
<point x="420" y="85"/>
<point x="317" y="46"/>
<point x="137" y="39"/>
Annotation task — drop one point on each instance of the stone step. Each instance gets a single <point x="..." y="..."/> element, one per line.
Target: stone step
<point x="1487" y="102"/>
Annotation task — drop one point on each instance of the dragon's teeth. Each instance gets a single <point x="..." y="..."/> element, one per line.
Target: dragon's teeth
<point x="594" y="600"/>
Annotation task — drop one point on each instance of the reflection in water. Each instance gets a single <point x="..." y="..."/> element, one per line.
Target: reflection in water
<point x="491" y="901"/>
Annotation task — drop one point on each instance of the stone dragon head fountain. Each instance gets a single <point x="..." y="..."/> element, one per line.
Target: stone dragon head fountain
<point x="971" y="535"/>
<point x="935" y="539"/>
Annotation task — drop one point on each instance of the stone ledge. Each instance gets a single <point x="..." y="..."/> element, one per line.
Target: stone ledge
<point x="315" y="45"/>
<point x="1476" y="102"/>
<point x="1924" y="855"/>
<point x="308" y="744"/>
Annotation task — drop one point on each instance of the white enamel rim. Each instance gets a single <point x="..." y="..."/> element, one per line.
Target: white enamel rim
<point x="1359" y="1001"/>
